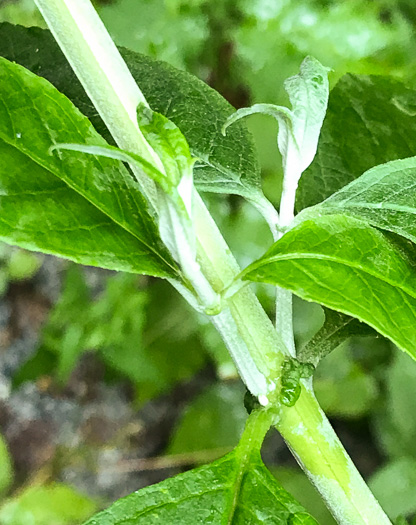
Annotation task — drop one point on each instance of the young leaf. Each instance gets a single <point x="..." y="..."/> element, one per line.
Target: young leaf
<point x="384" y="196"/>
<point x="336" y="329"/>
<point x="344" y="264"/>
<point x="370" y="121"/>
<point x="168" y="142"/>
<point x="86" y="208"/>
<point x="226" y="164"/>
<point x="235" y="489"/>
<point x="112" y="152"/>
<point x="299" y="127"/>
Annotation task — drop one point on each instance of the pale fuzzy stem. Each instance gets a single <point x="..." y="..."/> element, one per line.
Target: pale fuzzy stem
<point x="284" y="298"/>
<point x="284" y="318"/>
<point x="321" y="455"/>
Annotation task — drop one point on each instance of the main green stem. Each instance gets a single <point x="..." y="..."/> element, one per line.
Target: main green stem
<point x="246" y="329"/>
<point x="321" y="455"/>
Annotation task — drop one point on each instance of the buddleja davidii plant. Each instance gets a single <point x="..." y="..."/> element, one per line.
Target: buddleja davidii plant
<point x="83" y="204"/>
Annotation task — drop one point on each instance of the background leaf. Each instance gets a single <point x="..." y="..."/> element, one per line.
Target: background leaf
<point x="394" y="486"/>
<point x="43" y="505"/>
<point x="348" y="266"/>
<point x="227" y="164"/>
<point x="214" y="420"/>
<point x="394" y="420"/>
<point x="154" y="345"/>
<point x="343" y="387"/>
<point x="336" y="329"/>
<point x="370" y="121"/>
<point x="86" y="208"/>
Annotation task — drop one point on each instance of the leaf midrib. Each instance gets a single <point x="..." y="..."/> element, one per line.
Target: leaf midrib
<point x="330" y="258"/>
<point x="345" y="204"/>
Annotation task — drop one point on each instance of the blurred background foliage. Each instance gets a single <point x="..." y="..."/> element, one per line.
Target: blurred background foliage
<point x="111" y="382"/>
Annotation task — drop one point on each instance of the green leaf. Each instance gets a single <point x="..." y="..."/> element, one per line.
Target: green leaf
<point x="6" y="469"/>
<point x="56" y="504"/>
<point x="175" y="31"/>
<point x="85" y="208"/>
<point x="22" y="265"/>
<point x="347" y="36"/>
<point x="226" y="164"/>
<point x="235" y="489"/>
<point x="214" y="420"/>
<point x="370" y="121"/>
<point x="336" y="329"/>
<point x="344" y="264"/>
<point x="384" y="196"/>
<point x="394" y="485"/>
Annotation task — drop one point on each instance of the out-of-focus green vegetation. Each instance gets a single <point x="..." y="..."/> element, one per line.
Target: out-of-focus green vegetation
<point x="53" y="504"/>
<point x="143" y="331"/>
<point x="6" y="468"/>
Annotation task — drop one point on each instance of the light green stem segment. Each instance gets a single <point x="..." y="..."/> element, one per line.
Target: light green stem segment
<point x="247" y="331"/>
<point x="321" y="455"/>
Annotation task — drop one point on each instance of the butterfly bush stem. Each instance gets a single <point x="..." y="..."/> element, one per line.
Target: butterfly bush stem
<point x="247" y="331"/>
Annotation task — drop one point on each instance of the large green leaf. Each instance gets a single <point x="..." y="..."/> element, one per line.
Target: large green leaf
<point x="88" y="209"/>
<point x="350" y="267"/>
<point x="370" y="121"/>
<point x="385" y="196"/>
<point x="233" y="490"/>
<point x="227" y="164"/>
